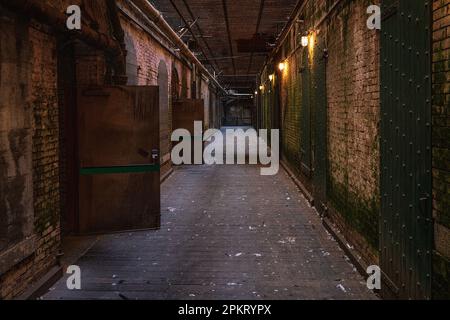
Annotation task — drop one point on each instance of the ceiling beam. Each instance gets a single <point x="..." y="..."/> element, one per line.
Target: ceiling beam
<point x="201" y="35"/>
<point x="230" y="43"/>
<point x="188" y="26"/>
<point x="258" y="24"/>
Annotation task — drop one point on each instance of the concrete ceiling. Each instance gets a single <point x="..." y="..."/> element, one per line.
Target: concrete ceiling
<point x="231" y="37"/>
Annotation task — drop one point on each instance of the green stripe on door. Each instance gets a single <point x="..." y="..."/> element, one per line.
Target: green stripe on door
<point x="120" y="169"/>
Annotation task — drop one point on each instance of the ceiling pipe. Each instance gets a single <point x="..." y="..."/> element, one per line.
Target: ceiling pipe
<point x="180" y="14"/>
<point x="159" y="21"/>
<point x="50" y="15"/>
<point x="258" y="25"/>
<point x="211" y="53"/>
<point x="227" y="24"/>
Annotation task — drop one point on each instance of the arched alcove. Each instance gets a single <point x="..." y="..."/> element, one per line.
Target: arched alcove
<point x="175" y="85"/>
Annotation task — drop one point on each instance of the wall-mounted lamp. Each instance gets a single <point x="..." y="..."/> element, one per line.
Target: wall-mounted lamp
<point x="271" y="77"/>
<point x="305" y="41"/>
<point x="261" y="87"/>
<point x="282" y="66"/>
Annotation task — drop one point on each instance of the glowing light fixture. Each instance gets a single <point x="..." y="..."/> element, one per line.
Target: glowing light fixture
<point x="256" y="93"/>
<point x="271" y="77"/>
<point x="261" y="87"/>
<point x="282" y="66"/>
<point x="305" y="41"/>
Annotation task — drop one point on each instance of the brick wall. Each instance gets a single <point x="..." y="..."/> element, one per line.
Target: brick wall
<point x="353" y="116"/>
<point x="36" y="252"/>
<point x="291" y="105"/>
<point x="441" y="147"/>
<point x="30" y="198"/>
<point x="31" y="153"/>
<point x="16" y="201"/>
<point x="146" y="50"/>
<point x="353" y="113"/>
<point x="205" y="95"/>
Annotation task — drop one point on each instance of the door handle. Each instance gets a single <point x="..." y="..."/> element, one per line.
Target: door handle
<point x="155" y="156"/>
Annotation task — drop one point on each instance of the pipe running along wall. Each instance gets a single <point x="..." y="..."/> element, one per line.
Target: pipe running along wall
<point x="159" y="21"/>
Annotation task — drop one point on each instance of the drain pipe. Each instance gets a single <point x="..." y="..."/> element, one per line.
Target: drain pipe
<point x="157" y="18"/>
<point x="50" y="15"/>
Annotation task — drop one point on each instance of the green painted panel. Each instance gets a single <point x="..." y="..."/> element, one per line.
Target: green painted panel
<point x="305" y="116"/>
<point x="120" y="170"/>
<point x="406" y="224"/>
<point x="319" y="120"/>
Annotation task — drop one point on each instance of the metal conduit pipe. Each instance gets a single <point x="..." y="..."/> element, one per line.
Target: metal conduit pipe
<point x="159" y="21"/>
<point x="49" y="15"/>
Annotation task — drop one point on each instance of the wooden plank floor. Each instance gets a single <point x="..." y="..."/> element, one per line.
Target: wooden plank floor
<point x="227" y="233"/>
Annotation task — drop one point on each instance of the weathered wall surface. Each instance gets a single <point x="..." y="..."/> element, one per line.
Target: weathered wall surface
<point x="31" y="167"/>
<point x="441" y="147"/>
<point x="148" y="51"/>
<point x="29" y="144"/>
<point x="291" y="104"/>
<point x="30" y="201"/>
<point x="205" y="96"/>
<point x="144" y="63"/>
<point x="353" y="94"/>
<point x="15" y="135"/>
<point x="32" y="151"/>
<point x="352" y="86"/>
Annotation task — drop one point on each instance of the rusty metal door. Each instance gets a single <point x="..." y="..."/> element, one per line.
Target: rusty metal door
<point x="406" y="219"/>
<point x="118" y="129"/>
<point x="185" y="113"/>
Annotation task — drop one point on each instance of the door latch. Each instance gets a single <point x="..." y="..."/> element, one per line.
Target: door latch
<point x="155" y="156"/>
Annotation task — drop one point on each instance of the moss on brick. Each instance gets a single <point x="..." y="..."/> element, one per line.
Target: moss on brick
<point x="360" y="214"/>
<point x="441" y="277"/>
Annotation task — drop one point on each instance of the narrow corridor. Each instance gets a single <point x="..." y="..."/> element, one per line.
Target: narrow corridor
<point x="98" y="100"/>
<point x="227" y="233"/>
